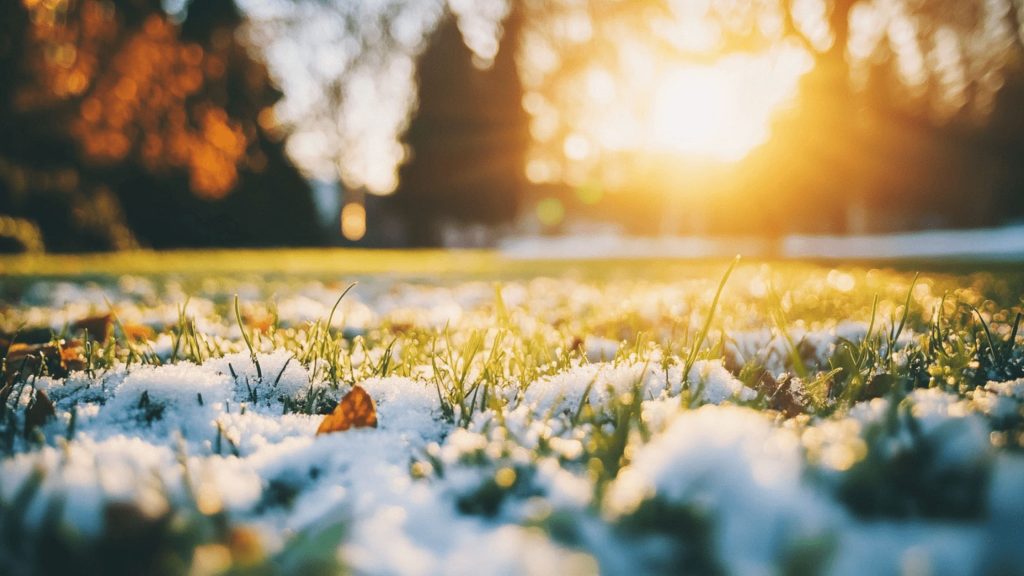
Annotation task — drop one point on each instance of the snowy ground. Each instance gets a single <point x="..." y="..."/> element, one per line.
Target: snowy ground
<point x="991" y="244"/>
<point x="540" y="426"/>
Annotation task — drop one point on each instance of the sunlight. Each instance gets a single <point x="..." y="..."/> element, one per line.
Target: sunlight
<point x="697" y="111"/>
<point x="653" y="105"/>
<point x="722" y="111"/>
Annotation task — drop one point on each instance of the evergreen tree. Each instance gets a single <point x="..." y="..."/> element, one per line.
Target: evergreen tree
<point x="468" y="137"/>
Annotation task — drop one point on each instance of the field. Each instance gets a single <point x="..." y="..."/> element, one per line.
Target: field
<point x="463" y="413"/>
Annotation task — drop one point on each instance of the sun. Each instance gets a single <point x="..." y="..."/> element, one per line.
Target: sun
<point x="720" y="111"/>
<point x="646" y="112"/>
<point x="697" y="111"/>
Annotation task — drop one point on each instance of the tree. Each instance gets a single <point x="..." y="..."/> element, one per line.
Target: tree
<point x="910" y="87"/>
<point x="353" y="93"/>
<point x="119" y="118"/>
<point x="881" y="79"/>
<point x="467" y="139"/>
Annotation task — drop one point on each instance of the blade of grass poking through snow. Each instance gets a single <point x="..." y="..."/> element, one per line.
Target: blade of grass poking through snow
<point x="248" y="342"/>
<point x="197" y="343"/>
<point x="703" y="334"/>
<point x="182" y="320"/>
<point x="326" y="340"/>
<point x="935" y="335"/>
<point x="330" y="317"/>
<point x="283" y="368"/>
<point x="992" y="352"/>
<point x="381" y="369"/>
<point x="132" y="352"/>
<point x="585" y="398"/>
<point x="1013" y="332"/>
<point x="491" y="369"/>
<point x="894" y="336"/>
<point x="871" y="325"/>
<point x="499" y="305"/>
<point x="778" y="314"/>
<point x="857" y="372"/>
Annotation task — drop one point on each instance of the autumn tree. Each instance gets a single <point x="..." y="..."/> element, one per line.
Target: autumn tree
<point x="119" y="115"/>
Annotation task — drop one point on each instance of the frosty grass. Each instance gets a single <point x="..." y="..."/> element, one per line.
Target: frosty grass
<point x="541" y="426"/>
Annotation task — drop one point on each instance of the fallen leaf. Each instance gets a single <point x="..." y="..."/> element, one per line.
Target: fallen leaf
<point x="72" y="356"/>
<point x="60" y="358"/>
<point x="356" y="410"/>
<point x="262" y="322"/>
<point x="97" y="326"/>
<point x="138" y="332"/>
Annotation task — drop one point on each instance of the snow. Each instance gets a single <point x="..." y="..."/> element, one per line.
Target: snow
<point x="993" y="243"/>
<point x="910" y="548"/>
<point x="602" y="382"/>
<point x="734" y="466"/>
<point x="154" y="435"/>
<point x="407" y="405"/>
<point x="600" y="349"/>
<point x="715" y="383"/>
<point x="1006" y="243"/>
<point x="959" y="434"/>
<point x="283" y="376"/>
<point x="772" y="350"/>
<point x="90" y="473"/>
<point x="1000" y="400"/>
<point x="363" y="474"/>
<point x="616" y="246"/>
<point x="1003" y="553"/>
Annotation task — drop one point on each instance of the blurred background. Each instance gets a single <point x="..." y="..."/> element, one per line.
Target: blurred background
<point x="469" y="123"/>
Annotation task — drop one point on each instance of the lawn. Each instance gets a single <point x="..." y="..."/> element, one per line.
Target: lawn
<point x="470" y="413"/>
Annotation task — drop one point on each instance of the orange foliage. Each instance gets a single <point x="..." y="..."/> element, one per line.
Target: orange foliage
<point x="136" y="93"/>
<point x="356" y="410"/>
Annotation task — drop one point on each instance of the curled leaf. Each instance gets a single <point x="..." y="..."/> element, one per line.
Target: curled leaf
<point x="356" y="410"/>
<point x="138" y="332"/>
<point x="97" y="326"/>
<point x="60" y="358"/>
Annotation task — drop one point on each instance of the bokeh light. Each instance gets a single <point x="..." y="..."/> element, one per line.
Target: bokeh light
<point x="353" y="221"/>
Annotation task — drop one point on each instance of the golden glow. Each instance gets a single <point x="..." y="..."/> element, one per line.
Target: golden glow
<point x="576" y="147"/>
<point x="649" y="102"/>
<point x="353" y="221"/>
<point x="721" y="111"/>
<point x="698" y="110"/>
